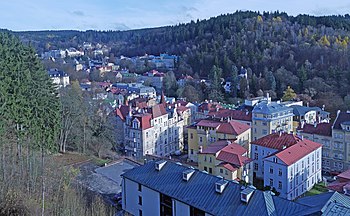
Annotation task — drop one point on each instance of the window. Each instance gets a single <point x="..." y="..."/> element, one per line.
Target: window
<point x="210" y="160"/>
<point x="205" y="158"/>
<point x="256" y="148"/>
<point x="221" y="171"/>
<point x="210" y="170"/>
<point x="256" y="166"/>
<point x="191" y="135"/>
<point x="264" y="132"/>
<point x="200" y="139"/>
<point x="279" y="185"/>
<point x="256" y="156"/>
<point x="139" y="187"/>
<point x="191" y="151"/>
<point x="140" y="212"/>
<point x="226" y="173"/>
<point x="205" y="168"/>
<point x="271" y="170"/>
<point x="140" y="200"/>
<point x="271" y="182"/>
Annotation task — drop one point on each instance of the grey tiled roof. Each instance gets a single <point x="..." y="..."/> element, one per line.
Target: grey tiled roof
<point x="199" y="191"/>
<point x="269" y="108"/>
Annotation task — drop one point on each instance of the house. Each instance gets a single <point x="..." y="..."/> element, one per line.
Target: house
<point x="269" y="117"/>
<point x="308" y="115"/>
<point x="322" y="133"/>
<point x="59" y="78"/>
<point x="227" y="159"/>
<point x="243" y="116"/>
<point x="341" y="140"/>
<point x="287" y="162"/>
<point x="342" y="183"/>
<point x="207" y="131"/>
<point x="205" y="108"/>
<point x="150" y="130"/>
<point x="184" y="79"/>
<point x="152" y="78"/>
<point x="167" y="188"/>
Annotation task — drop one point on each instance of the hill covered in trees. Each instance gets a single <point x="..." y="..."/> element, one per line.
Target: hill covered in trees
<point x="310" y="54"/>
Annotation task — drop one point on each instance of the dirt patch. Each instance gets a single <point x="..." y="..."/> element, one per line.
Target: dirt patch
<point x="70" y="158"/>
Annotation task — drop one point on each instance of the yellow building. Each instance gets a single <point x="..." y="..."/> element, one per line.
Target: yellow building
<point x="208" y="131"/>
<point x="227" y="159"/>
<point x="269" y="117"/>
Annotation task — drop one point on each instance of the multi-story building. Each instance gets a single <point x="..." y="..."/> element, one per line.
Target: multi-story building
<point x="335" y="139"/>
<point x="287" y="162"/>
<point x="308" y="115"/>
<point x="322" y="133"/>
<point x="59" y="78"/>
<point x="207" y="131"/>
<point x="153" y="130"/>
<point x="227" y="159"/>
<point x="269" y="117"/>
<point x="167" y="188"/>
<point x="341" y="140"/>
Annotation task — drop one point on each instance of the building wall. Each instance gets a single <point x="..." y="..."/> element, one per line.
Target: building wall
<point x="180" y="208"/>
<point x="264" y="124"/>
<point x="294" y="180"/>
<point x="192" y="144"/>
<point x="257" y="154"/>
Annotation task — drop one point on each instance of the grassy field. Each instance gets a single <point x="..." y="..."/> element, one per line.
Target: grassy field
<point x="317" y="189"/>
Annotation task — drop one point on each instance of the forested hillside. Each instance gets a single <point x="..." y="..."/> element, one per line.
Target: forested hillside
<point x="310" y="54"/>
<point x="32" y="182"/>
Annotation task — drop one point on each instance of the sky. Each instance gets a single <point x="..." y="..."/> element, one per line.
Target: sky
<point x="22" y="15"/>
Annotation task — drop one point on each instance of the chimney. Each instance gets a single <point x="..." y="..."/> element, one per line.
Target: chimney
<point x="302" y="124"/>
<point x="307" y="104"/>
<point x="186" y="175"/>
<point x="159" y="164"/>
<point x="315" y="124"/>
<point x="280" y="133"/>
<point x="200" y="149"/>
<point x="220" y="186"/>
<point x="246" y="194"/>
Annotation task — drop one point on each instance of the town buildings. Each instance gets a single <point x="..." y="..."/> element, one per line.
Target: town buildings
<point x="227" y="159"/>
<point x="150" y="130"/>
<point x="287" y="162"/>
<point x="167" y="188"/>
<point x="59" y="78"/>
<point x="335" y="139"/>
<point x="269" y="117"/>
<point x="207" y="131"/>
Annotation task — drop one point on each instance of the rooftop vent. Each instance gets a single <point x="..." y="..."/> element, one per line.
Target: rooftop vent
<point x="186" y="175"/>
<point x="160" y="164"/>
<point x="246" y="194"/>
<point x="220" y="185"/>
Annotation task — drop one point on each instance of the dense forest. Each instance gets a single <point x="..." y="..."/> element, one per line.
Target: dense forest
<point x="310" y="54"/>
<point x="32" y="179"/>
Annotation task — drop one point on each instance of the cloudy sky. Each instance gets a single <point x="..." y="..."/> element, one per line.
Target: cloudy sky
<point x="132" y="14"/>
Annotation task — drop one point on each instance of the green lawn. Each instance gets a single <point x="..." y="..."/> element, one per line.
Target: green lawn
<point x="317" y="189"/>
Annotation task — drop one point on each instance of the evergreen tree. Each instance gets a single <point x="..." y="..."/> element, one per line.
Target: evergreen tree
<point x="216" y="88"/>
<point x="289" y="94"/>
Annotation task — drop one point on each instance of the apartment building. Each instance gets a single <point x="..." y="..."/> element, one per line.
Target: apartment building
<point x="335" y="139"/>
<point x="152" y="130"/>
<point x="207" y="131"/>
<point x="167" y="188"/>
<point x="227" y="159"/>
<point x="269" y="117"/>
<point x="289" y="163"/>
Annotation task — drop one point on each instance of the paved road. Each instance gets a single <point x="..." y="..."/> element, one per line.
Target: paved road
<point x="104" y="180"/>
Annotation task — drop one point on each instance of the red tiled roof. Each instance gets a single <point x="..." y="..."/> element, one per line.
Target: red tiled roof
<point x="215" y="147"/>
<point x="234" y="114"/>
<point x="157" y="110"/>
<point x="122" y="112"/>
<point x="234" y="148"/>
<point x="233" y="127"/>
<point x="323" y="129"/>
<point x="208" y="107"/>
<point x="209" y="123"/>
<point x="345" y="175"/>
<point x="277" y="140"/>
<point x="144" y="119"/>
<point x="228" y="166"/>
<point x="181" y="109"/>
<point x="233" y="158"/>
<point x="337" y="186"/>
<point x="181" y="102"/>
<point x="297" y="151"/>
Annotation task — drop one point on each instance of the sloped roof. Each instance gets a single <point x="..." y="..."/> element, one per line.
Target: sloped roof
<point x="345" y="174"/>
<point x="269" y="108"/>
<point x="215" y="147"/>
<point x="208" y="107"/>
<point x="234" y="114"/>
<point x="200" y="193"/>
<point x="232" y="158"/>
<point x="144" y="119"/>
<point x="233" y="127"/>
<point x="323" y="129"/>
<point x="341" y="117"/>
<point x="208" y="123"/>
<point x="301" y="110"/>
<point x="122" y="111"/>
<point x="297" y="151"/>
<point x="277" y="140"/>
<point x="157" y="110"/>
<point x="228" y="166"/>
